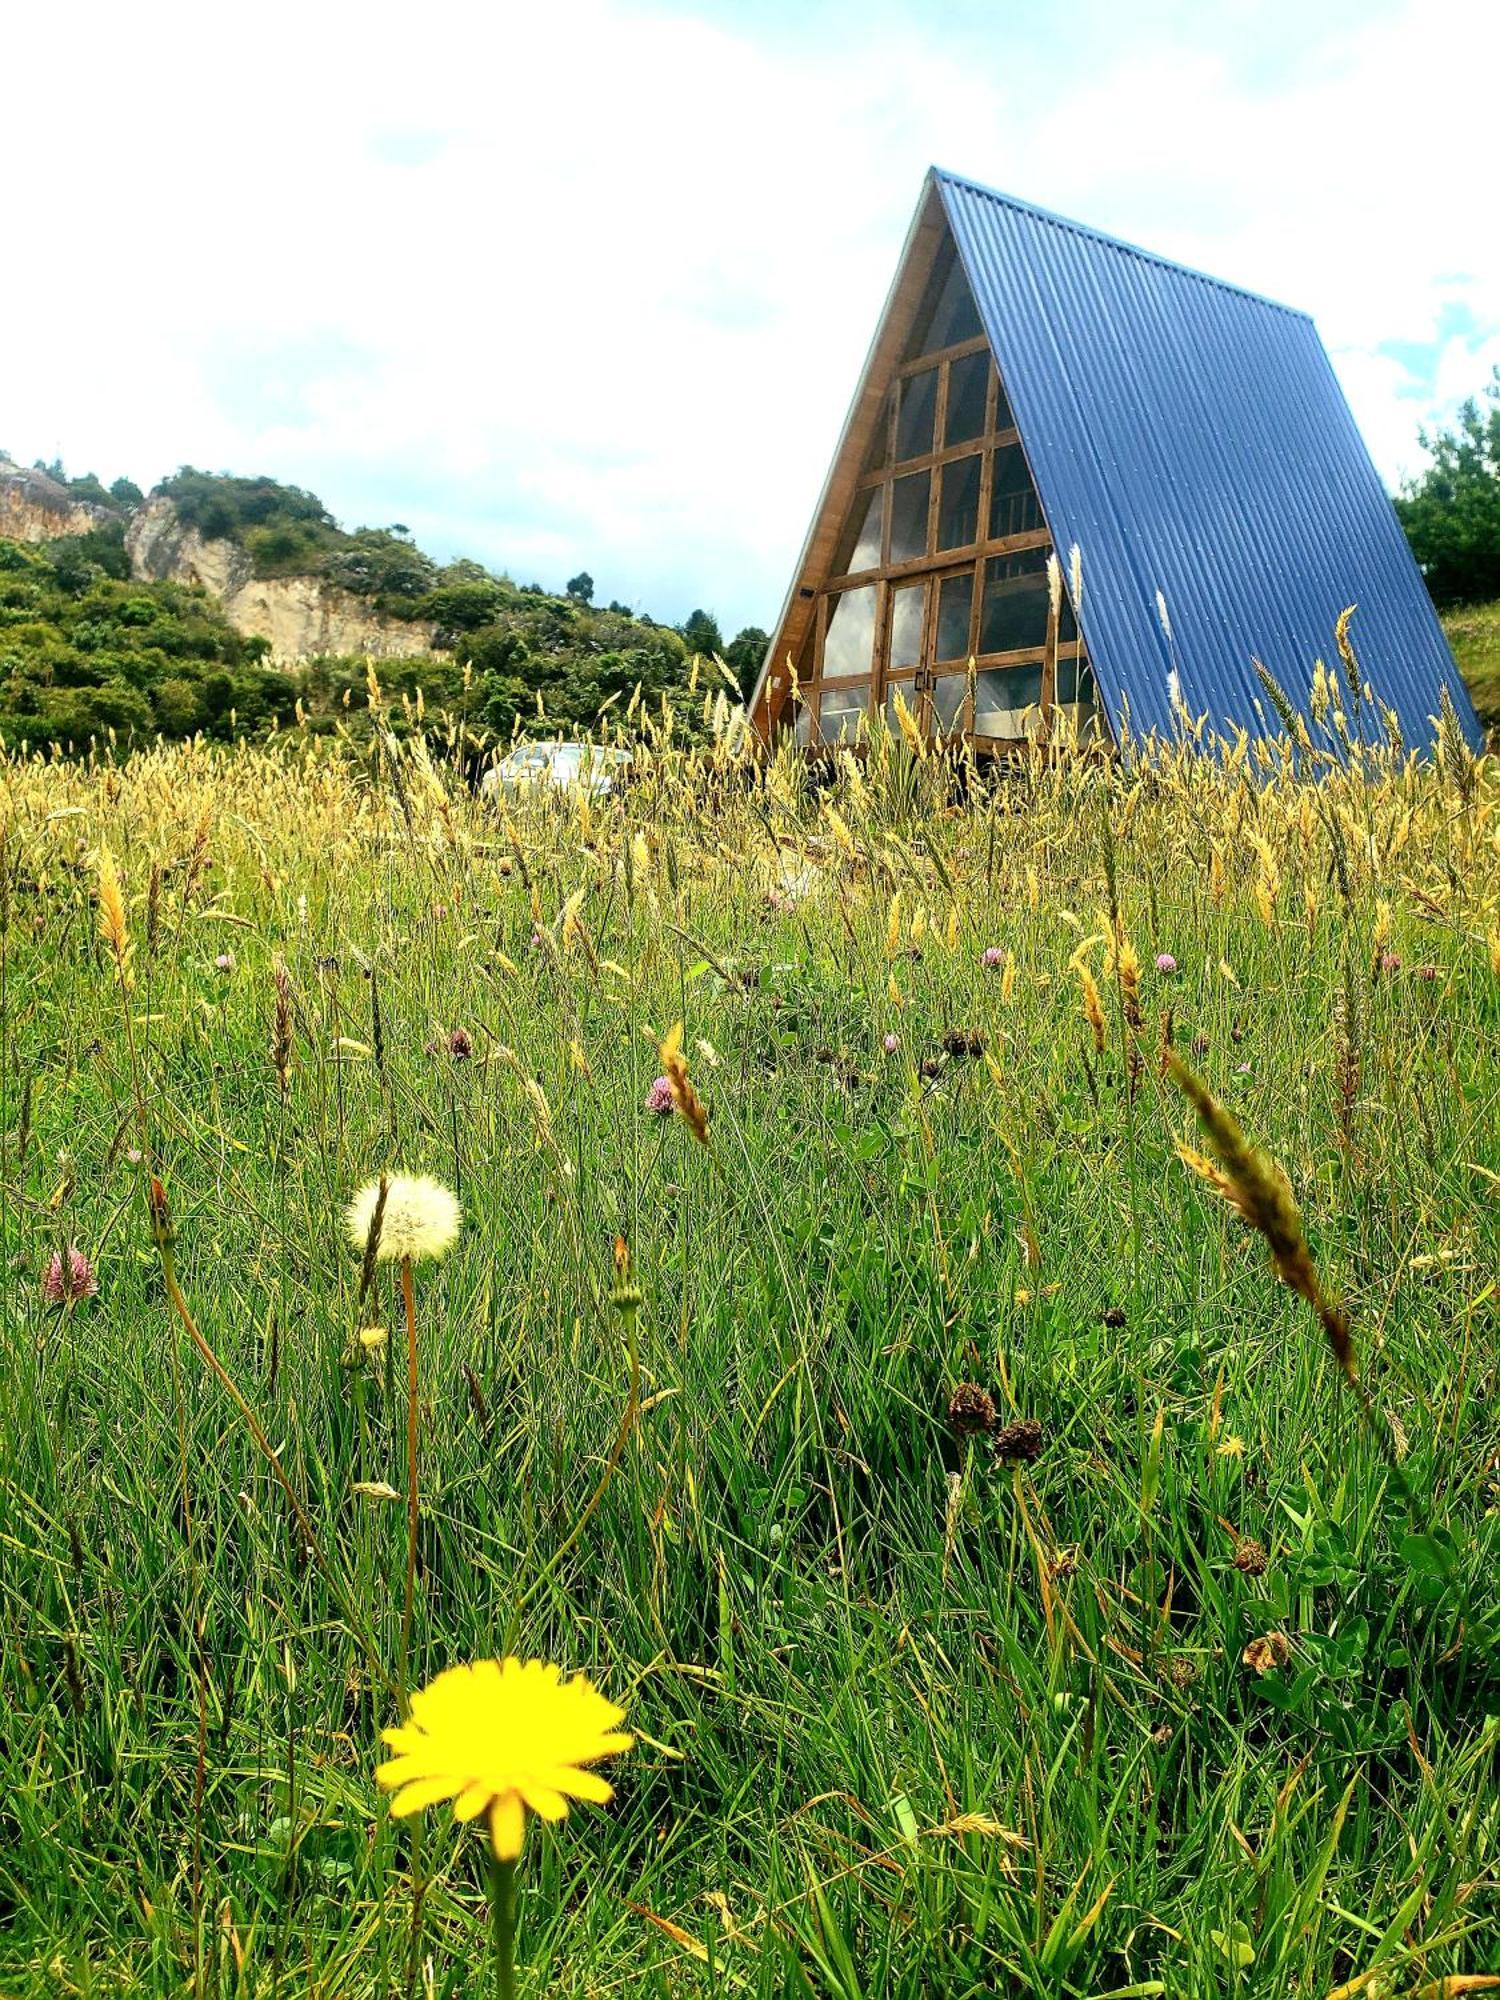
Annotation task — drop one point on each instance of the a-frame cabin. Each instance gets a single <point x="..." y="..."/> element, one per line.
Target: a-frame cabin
<point x="1181" y="444"/>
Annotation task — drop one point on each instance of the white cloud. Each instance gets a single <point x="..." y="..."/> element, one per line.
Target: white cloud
<point x="591" y="286"/>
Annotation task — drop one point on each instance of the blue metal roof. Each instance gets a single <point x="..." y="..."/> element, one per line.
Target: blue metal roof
<point x="1193" y="440"/>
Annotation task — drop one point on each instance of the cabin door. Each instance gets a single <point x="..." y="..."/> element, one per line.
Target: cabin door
<point x="903" y="651"/>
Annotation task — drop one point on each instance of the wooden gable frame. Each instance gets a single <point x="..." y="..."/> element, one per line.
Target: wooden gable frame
<point x="981" y="568"/>
<point x="924" y="243"/>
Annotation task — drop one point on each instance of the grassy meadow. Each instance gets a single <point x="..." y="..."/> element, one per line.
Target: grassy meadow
<point x="1163" y="1666"/>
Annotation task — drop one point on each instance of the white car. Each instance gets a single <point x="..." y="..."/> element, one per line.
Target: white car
<point x="596" y="769"/>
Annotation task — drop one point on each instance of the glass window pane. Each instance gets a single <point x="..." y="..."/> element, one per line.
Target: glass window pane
<point x="908" y="693"/>
<point x="1014" y="613"/>
<point x="958" y="508"/>
<point x="915" y="413"/>
<point x="1013" y="501"/>
<point x="1004" y="421"/>
<point x="849" y="642"/>
<point x="949" y="692"/>
<point x="909" y="516"/>
<point x="907" y="606"/>
<point x="955" y="597"/>
<point x="840" y="712"/>
<point x="968" y="385"/>
<point x="1008" y="702"/>
<point x="859" y="545"/>
<point x="953" y="317"/>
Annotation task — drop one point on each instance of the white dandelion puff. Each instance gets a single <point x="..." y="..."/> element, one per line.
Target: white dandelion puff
<point x="421" y="1218"/>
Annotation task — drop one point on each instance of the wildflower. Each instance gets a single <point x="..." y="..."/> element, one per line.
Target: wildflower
<point x="502" y="1737"/>
<point x="993" y="958"/>
<point x="1021" y="1440"/>
<point x="421" y="1218"/>
<point x="69" y="1276"/>
<point x="961" y="1042"/>
<point x="970" y="1409"/>
<point x="224" y="962"/>
<point x="1390" y="962"/>
<point x="1274" y="1649"/>
<point x="891" y="1044"/>
<point x="659" y="1097"/>
<point x="1166" y="965"/>
<point x="1250" y="1558"/>
<point x="460" y="1044"/>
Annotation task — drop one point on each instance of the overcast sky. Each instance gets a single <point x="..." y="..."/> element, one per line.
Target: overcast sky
<point x="589" y="285"/>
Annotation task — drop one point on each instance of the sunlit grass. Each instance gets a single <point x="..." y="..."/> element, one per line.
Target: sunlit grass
<point x="1129" y="1669"/>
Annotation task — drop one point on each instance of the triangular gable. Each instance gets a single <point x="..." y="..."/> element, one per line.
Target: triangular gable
<point x="1191" y="440"/>
<point x="929" y="545"/>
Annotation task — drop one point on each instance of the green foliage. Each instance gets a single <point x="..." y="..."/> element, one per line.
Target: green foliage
<point x="85" y="651"/>
<point x="1474" y="634"/>
<point x="1452" y="513"/>
<point x="126" y="652"/>
<point x="221" y="506"/>
<point x="701" y="634"/>
<point x="743" y="656"/>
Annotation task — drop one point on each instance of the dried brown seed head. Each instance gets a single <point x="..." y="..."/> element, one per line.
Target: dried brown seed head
<point x="1022" y="1440"/>
<point x="970" y="1410"/>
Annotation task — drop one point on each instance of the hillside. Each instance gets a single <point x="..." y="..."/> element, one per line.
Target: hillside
<point x="220" y="604"/>
<point x="1474" y="634"/>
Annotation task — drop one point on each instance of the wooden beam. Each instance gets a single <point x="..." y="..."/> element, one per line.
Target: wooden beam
<point x="923" y="244"/>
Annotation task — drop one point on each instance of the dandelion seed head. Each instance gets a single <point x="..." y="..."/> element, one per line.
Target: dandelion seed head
<point x="421" y="1218"/>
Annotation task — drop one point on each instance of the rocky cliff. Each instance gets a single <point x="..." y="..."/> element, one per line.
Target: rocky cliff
<point x="300" y="615"/>
<point x="35" y="508"/>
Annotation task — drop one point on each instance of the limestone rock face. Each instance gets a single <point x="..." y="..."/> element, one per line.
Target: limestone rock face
<point x="35" y="508"/>
<point x="301" y="615"/>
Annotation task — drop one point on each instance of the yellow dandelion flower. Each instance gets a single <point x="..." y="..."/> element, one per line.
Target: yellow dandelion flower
<point x="421" y="1218"/>
<point x="503" y="1738"/>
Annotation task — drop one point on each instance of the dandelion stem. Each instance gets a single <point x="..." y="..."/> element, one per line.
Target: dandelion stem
<point x="409" y="1300"/>
<point x="503" y="1911"/>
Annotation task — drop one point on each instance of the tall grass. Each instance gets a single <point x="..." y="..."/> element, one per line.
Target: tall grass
<point x="1158" y="1688"/>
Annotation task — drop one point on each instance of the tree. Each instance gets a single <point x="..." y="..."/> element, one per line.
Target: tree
<point x="580" y="588"/>
<point x="1452" y="513"/>
<point x="744" y="654"/>
<point x="701" y="633"/>
<point x="125" y="493"/>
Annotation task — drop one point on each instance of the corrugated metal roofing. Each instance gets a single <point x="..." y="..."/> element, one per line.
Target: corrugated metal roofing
<point x="1193" y="440"/>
